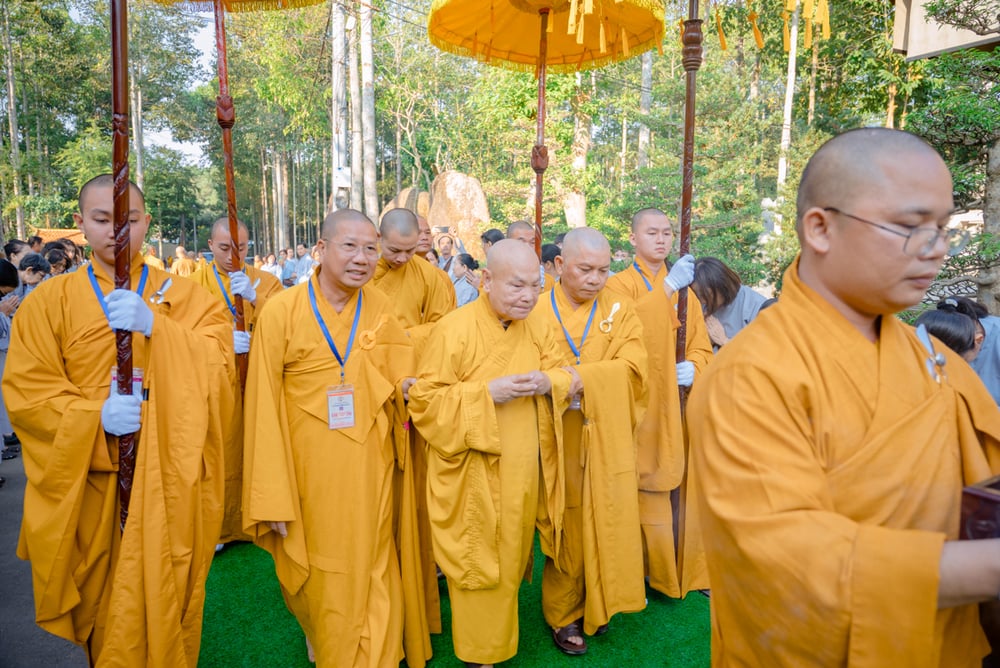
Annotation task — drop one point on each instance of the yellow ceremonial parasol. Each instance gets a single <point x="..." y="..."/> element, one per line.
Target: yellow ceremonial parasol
<point x="574" y="35"/>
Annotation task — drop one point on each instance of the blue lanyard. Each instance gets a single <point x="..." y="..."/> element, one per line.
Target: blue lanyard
<point x="326" y="332"/>
<point x="649" y="288"/>
<point x="225" y="295"/>
<point x="586" y="330"/>
<point x="100" y="295"/>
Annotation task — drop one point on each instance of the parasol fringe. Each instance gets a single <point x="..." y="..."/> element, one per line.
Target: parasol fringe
<point x="823" y="17"/>
<point x="807" y="38"/>
<point x="785" y="34"/>
<point x="240" y="6"/>
<point x="718" y="27"/>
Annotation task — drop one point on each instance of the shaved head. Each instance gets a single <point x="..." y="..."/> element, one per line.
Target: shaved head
<point x="399" y="221"/>
<point x="511" y="279"/>
<point x="221" y="244"/>
<point x="643" y="214"/>
<point x="426" y="241"/>
<point x="853" y="163"/>
<point x="334" y="218"/>
<point x="220" y="228"/>
<point x="522" y="231"/>
<point x="584" y="239"/>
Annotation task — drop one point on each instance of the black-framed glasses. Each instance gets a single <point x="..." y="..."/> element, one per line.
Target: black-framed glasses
<point x="920" y="241"/>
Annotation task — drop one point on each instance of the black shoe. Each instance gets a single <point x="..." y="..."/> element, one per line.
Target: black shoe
<point x="8" y="454"/>
<point x="12" y="439"/>
<point x="2" y="481"/>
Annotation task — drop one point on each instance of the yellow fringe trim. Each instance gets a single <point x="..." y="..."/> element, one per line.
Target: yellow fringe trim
<point x="787" y="39"/>
<point x="718" y="27"/>
<point x="236" y="6"/>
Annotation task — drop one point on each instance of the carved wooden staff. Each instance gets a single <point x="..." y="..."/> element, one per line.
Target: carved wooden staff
<point x="119" y="168"/>
<point x="539" y="152"/>
<point x="691" y="57"/>
<point x="225" y="113"/>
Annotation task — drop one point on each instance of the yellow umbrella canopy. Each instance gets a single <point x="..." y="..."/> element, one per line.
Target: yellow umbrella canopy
<point x="242" y="5"/>
<point x="581" y="34"/>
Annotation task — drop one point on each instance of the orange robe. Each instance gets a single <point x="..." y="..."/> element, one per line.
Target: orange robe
<point x="337" y="567"/>
<point x="153" y="261"/>
<point x="183" y="267"/>
<point x="132" y="599"/>
<point x="831" y="473"/>
<point x="232" y="525"/>
<point x="599" y="571"/>
<point x="483" y="467"/>
<point x="661" y="438"/>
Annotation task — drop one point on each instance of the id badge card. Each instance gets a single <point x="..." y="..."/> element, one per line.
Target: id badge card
<point x="340" y="406"/>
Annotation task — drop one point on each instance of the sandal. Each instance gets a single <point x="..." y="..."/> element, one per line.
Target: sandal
<point x="561" y="638"/>
<point x="601" y="630"/>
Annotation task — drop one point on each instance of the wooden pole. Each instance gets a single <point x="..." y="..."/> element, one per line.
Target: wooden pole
<point x="119" y="170"/>
<point x="226" y="115"/>
<point x="539" y="153"/>
<point x="691" y="58"/>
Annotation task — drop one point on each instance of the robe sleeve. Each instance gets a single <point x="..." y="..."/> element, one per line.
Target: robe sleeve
<point x="698" y="347"/>
<point x="782" y="547"/>
<point x="452" y="415"/>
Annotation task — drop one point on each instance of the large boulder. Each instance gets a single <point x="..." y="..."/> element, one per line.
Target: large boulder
<point x="458" y="207"/>
<point x="415" y="200"/>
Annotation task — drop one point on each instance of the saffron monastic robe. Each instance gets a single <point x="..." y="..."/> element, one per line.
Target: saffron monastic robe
<point x="599" y="571"/>
<point x="337" y="568"/>
<point x="232" y="524"/>
<point x="420" y="297"/>
<point x="483" y="467"/>
<point x="831" y="472"/>
<point x="661" y="436"/>
<point x="132" y="599"/>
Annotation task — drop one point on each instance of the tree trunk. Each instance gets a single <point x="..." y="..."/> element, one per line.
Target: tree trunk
<point x="786" y="119"/>
<point x="890" y="107"/>
<point x="621" y="168"/>
<point x="357" y="172"/>
<point x="645" y="97"/>
<point x="15" y="150"/>
<point x="338" y="115"/>
<point x="991" y="224"/>
<point x="368" y="110"/>
<point x="575" y="199"/>
<point x="812" y="83"/>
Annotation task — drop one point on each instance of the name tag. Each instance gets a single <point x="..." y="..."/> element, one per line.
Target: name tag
<point x="340" y="406"/>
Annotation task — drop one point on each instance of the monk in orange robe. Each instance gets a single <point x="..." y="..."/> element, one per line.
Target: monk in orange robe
<point x="224" y="280"/>
<point x="661" y="448"/>
<point x="832" y="441"/>
<point x="482" y="402"/>
<point x="131" y="598"/>
<point x="325" y="427"/>
<point x="182" y="265"/>
<point x="600" y="571"/>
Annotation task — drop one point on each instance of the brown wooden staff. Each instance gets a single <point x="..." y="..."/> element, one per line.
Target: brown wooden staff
<point x="123" y="338"/>
<point x="691" y="58"/>
<point x="539" y="152"/>
<point x="226" y="115"/>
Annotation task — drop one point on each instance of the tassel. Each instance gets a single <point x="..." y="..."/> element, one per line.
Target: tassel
<point x="579" y="31"/>
<point x="757" y="36"/>
<point x="625" y="49"/>
<point x="603" y="40"/>
<point x="571" y="24"/>
<point x="785" y="34"/>
<point x="807" y="10"/>
<point x="550" y="26"/>
<point x="718" y="27"/>
<point x="680" y="26"/>
<point x="588" y="7"/>
<point x="807" y="38"/>
<point x="790" y="5"/>
<point x="823" y="17"/>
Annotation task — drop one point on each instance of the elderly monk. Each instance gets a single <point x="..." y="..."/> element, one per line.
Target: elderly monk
<point x="225" y="280"/>
<point x="600" y="337"/>
<point x="150" y="258"/>
<point x="830" y="447"/>
<point x="183" y="265"/>
<point x="482" y="402"/>
<point x="660" y="447"/>
<point x="523" y="231"/>
<point x="132" y="598"/>
<point x="325" y="425"/>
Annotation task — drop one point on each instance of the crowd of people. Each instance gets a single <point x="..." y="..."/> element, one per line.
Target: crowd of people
<point x="379" y="411"/>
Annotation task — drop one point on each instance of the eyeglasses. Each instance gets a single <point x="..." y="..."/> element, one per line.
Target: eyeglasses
<point x="920" y="241"/>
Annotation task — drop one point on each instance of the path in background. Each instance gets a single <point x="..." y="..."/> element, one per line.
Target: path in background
<point x="247" y="624"/>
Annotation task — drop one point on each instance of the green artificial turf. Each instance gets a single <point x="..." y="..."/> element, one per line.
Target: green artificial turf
<point x="247" y="624"/>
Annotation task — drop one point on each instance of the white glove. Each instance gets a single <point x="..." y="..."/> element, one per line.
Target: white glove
<point x="241" y="285"/>
<point x="127" y="310"/>
<point x="685" y="373"/>
<point x="120" y="413"/>
<point x="682" y="273"/>
<point x="241" y="342"/>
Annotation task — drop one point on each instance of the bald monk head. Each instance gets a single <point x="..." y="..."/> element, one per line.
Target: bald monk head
<point x="96" y="219"/>
<point x="872" y="206"/>
<point x="399" y="234"/>
<point x="511" y="279"/>
<point x="180" y="253"/>
<point x="522" y="231"/>
<point x="348" y="250"/>
<point x="221" y="244"/>
<point x="425" y="242"/>
<point x="652" y="236"/>
<point x="584" y="264"/>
